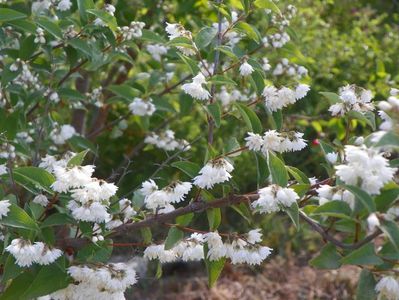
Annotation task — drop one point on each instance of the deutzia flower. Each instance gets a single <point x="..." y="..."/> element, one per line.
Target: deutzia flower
<point x="214" y="172"/>
<point x="301" y="91"/>
<point x="64" y="5"/>
<point x="195" y="89"/>
<point x="148" y="187"/>
<point x="328" y="193"/>
<point x="216" y="248"/>
<point x="23" y="251"/>
<point x="276" y="99"/>
<point x="275" y="141"/>
<point x="62" y="134"/>
<point x="352" y="98"/>
<point x="273" y="198"/>
<point x="246" y="69"/>
<point x="332" y="157"/>
<point x="366" y="167"/>
<point x="134" y="30"/>
<point x="388" y="287"/>
<point x="157" y="51"/>
<point x="40" y="39"/>
<point x="372" y="222"/>
<point x="41" y="200"/>
<point x="46" y="255"/>
<point x="159" y="252"/>
<point x="3" y="169"/>
<point x="4" y="208"/>
<point x="166" y="140"/>
<point x="140" y="107"/>
<point x="177" y="30"/>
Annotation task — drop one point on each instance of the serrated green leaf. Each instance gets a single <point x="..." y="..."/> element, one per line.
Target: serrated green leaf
<point x="250" y="118"/>
<point x="77" y="160"/>
<point x="362" y="256"/>
<point x="327" y="259"/>
<point x="205" y="36"/>
<point x="190" y="168"/>
<point x="18" y="218"/>
<point x="174" y="236"/>
<point x="7" y="14"/>
<point x="277" y="170"/>
<point x="50" y="27"/>
<point x="34" y="179"/>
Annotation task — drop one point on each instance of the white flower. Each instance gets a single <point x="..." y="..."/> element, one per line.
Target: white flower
<point x="177" y="191"/>
<point x="166" y="140"/>
<point x="367" y="167"/>
<point x="216" y="248"/>
<point x="214" y="172"/>
<point x="4" y="208"/>
<point x="301" y="91"/>
<point x="148" y="187"/>
<point x="388" y="287"/>
<point x="46" y="255"/>
<point x="64" y="5"/>
<point x="254" y="141"/>
<point x="332" y="157"/>
<point x="3" y="169"/>
<point x="373" y="222"/>
<point x="41" y="200"/>
<point x="352" y="98"/>
<point x="254" y="236"/>
<point x="275" y="141"/>
<point x="157" y="51"/>
<point x="140" y="107"/>
<point x="273" y="197"/>
<point x="39" y="39"/>
<point x="62" y="134"/>
<point x="195" y="89"/>
<point x="23" y="251"/>
<point x="246" y="69"/>
<point x="159" y="252"/>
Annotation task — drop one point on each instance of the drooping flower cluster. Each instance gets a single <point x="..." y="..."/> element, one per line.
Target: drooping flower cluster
<point x="275" y="141"/>
<point x="39" y="38"/>
<point x="388" y="287"/>
<point x="99" y="282"/>
<point x="60" y="134"/>
<point x="166" y="140"/>
<point x="26" y="253"/>
<point x="365" y="167"/>
<point x="140" y="107"/>
<point x="177" y="30"/>
<point x="232" y="37"/>
<point x="214" y="172"/>
<point x="241" y="250"/>
<point x="90" y="196"/>
<point x="4" y="208"/>
<point x="189" y="249"/>
<point x="161" y="200"/>
<point x="328" y="193"/>
<point x="273" y="198"/>
<point x="246" y="69"/>
<point x="195" y="89"/>
<point x="227" y="97"/>
<point x="352" y="98"/>
<point x="156" y="51"/>
<point x="134" y="30"/>
<point x="276" y="99"/>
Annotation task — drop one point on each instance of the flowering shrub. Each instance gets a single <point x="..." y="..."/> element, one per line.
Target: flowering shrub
<point x="87" y="84"/>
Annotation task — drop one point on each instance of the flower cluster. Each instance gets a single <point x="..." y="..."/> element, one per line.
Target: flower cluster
<point x="328" y="193"/>
<point x="140" y="107"/>
<point x="177" y="30"/>
<point x="90" y="196"/>
<point x="98" y="282"/>
<point x="166" y="140"/>
<point x="26" y="253"/>
<point x="110" y="9"/>
<point x="134" y="30"/>
<point x="291" y="69"/>
<point x="60" y="134"/>
<point x="4" y="208"/>
<point x="214" y="172"/>
<point x="352" y="98"/>
<point x="365" y="167"/>
<point x="388" y="287"/>
<point x="246" y="69"/>
<point x="275" y="141"/>
<point x="273" y="198"/>
<point x="276" y="99"/>
<point x="227" y="97"/>
<point x="156" y="51"/>
<point x="389" y="110"/>
<point x="195" y="88"/>
<point x="161" y="200"/>
<point x="241" y="250"/>
<point x="189" y="249"/>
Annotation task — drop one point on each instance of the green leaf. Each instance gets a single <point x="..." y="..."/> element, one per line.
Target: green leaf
<point x="389" y="139"/>
<point x="277" y="170"/>
<point x="221" y="80"/>
<point x="227" y="50"/>
<point x="214" y="268"/>
<point x="81" y="46"/>
<point x="77" y="160"/>
<point x="362" y="256"/>
<point x="124" y="91"/>
<point x="331" y="97"/>
<point x="298" y="175"/>
<point x="258" y="81"/>
<point x="7" y="14"/>
<point x="94" y="253"/>
<point x="11" y="269"/>
<point x="28" y="46"/>
<point x="18" y="287"/>
<point x="362" y="196"/>
<point x="391" y="230"/>
<point x="336" y="209"/>
<point x="268" y="4"/>
<point x="190" y="63"/>
<point x="105" y="17"/>
<point x="262" y="169"/>
<point x="18" y="218"/>
<point x="205" y="36"/>
<point x="387" y="196"/>
<point x="215" y="111"/>
<point x="50" y="278"/>
<point x="50" y="27"/>
<point x="184" y="220"/>
<point x="293" y="213"/>
<point x="83" y="6"/>
<point x="149" y="35"/>
<point x="368" y="117"/>
<point x="366" y="286"/>
<point x="181" y="42"/>
<point x="249" y="30"/>
<point x="34" y="179"/>
<point x="214" y="218"/>
<point x="190" y="168"/>
<point x="174" y="236"/>
<point x="57" y="219"/>
<point x="327" y="259"/>
<point x="250" y="118"/>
